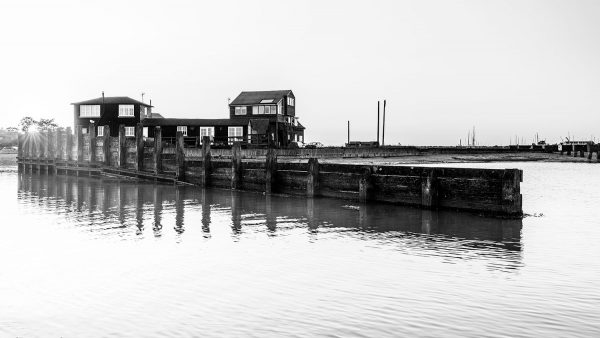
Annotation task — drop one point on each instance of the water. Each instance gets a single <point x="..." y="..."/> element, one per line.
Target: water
<point x="103" y="257"/>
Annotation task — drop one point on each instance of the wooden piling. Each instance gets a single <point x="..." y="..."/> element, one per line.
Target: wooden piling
<point x="122" y="147"/>
<point x="365" y="185"/>
<point x="180" y="156"/>
<point x="79" y="144"/>
<point x="206" y="158"/>
<point x="158" y="148"/>
<point x="312" y="182"/>
<point x="92" y="132"/>
<point x="69" y="144"/>
<point x="236" y="165"/>
<point x="60" y="144"/>
<point x="270" y="171"/>
<point x="139" y="141"/>
<point x="106" y="145"/>
<point x="589" y="150"/>
<point x="20" y="145"/>
<point x="429" y="189"/>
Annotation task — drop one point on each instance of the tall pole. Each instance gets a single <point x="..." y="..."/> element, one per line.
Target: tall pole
<point x="383" y="129"/>
<point x="348" y="132"/>
<point x="377" y="122"/>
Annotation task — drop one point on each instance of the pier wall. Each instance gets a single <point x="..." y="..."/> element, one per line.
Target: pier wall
<point x="489" y="191"/>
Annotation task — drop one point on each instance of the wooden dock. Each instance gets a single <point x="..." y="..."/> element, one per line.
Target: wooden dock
<point x="487" y="191"/>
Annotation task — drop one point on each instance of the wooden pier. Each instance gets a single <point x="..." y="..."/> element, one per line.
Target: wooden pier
<point x="487" y="191"/>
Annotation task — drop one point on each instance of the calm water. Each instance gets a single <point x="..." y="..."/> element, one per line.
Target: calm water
<point x="103" y="257"/>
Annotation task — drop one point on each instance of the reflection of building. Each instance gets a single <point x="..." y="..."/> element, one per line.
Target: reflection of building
<point x="111" y="111"/>
<point x="255" y="118"/>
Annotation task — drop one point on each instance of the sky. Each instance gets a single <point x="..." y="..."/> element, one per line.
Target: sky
<point x="510" y="69"/>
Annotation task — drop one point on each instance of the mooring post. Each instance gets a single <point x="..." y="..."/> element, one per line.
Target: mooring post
<point x="574" y="150"/>
<point x="270" y="170"/>
<point x="206" y="167"/>
<point x="122" y="147"/>
<point x="79" y="136"/>
<point x="60" y="145"/>
<point x="20" y="164"/>
<point x="312" y="182"/>
<point x="50" y="153"/>
<point x="512" y="203"/>
<point x="236" y="165"/>
<point x="180" y="156"/>
<point x="139" y="141"/>
<point x="92" y="132"/>
<point x="158" y="150"/>
<point x="589" y="150"/>
<point x="429" y="189"/>
<point x="365" y="185"/>
<point x="106" y="145"/>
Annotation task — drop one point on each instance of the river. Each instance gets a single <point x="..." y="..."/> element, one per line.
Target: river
<point x="107" y="257"/>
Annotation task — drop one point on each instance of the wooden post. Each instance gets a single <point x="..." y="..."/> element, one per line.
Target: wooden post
<point x="573" y="150"/>
<point x="512" y="201"/>
<point x="429" y="189"/>
<point x="312" y="182"/>
<point x="106" y="145"/>
<point x="180" y="156"/>
<point x="158" y="146"/>
<point x="20" y="164"/>
<point x="236" y="165"/>
<point x="44" y="145"/>
<point x="79" y="144"/>
<point x="69" y="144"/>
<point x="139" y="141"/>
<point x="51" y="153"/>
<point x="270" y="170"/>
<point x="589" y="150"/>
<point x="365" y="185"/>
<point x="122" y="147"/>
<point x="92" y="132"/>
<point x="206" y="167"/>
<point x="60" y="144"/>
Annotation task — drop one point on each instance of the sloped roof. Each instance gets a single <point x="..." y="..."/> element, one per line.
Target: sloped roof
<point x="256" y="97"/>
<point x="113" y="100"/>
<point x="153" y="122"/>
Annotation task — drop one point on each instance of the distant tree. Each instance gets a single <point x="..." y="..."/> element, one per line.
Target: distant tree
<point x="12" y="130"/>
<point x="26" y="123"/>
<point x="46" y="124"/>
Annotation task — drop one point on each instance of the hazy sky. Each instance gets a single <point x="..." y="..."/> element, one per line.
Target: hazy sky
<point x="506" y="67"/>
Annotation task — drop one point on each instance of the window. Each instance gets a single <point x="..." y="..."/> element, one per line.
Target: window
<point x="182" y="129"/>
<point x="129" y="131"/>
<point x="126" y="110"/>
<point x="254" y="110"/>
<point x="84" y="131"/>
<point x="207" y="131"/>
<point x="267" y="101"/>
<point x="100" y="131"/>
<point x="89" y="110"/>
<point x="290" y="101"/>
<point x="235" y="134"/>
<point x="145" y="131"/>
<point x="261" y="110"/>
<point x="240" y="110"/>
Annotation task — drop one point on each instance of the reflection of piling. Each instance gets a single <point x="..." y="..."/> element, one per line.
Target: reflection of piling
<point x="205" y="201"/>
<point x="179" y="209"/>
<point x="157" y="201"/>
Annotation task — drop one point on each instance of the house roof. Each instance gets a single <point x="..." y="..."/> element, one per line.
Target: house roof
<point x="154" y="122"/>
<point x="113" y="100"/>
<point x="256" y="97"/>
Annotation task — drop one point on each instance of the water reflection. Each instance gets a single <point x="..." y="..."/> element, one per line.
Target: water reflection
<point x="125" y="209"/>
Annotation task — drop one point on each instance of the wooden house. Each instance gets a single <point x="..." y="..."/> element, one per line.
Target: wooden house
<point x="257" y="119"/>
<point x="111" y="111"/>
